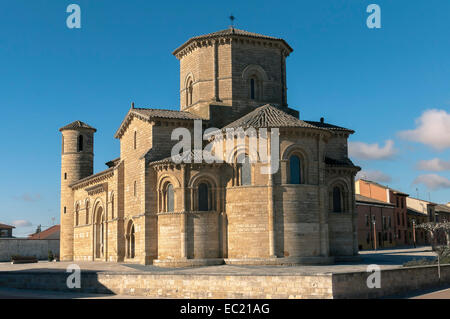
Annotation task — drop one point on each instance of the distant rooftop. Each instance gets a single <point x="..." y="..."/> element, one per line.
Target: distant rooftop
<point x="6" y="226"/>
<point x="46" y="233"/>
<point x="364" y="199"/>
<point x="442" y="208"/>
<point x="383" y="186"/>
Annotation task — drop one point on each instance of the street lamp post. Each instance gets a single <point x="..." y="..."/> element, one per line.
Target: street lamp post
<point x="374" y="234"/>
<point x="414" y="232"/>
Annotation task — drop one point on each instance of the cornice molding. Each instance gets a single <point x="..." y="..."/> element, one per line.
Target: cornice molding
<point x="93" y="179"/>
<point x="193" y="44"/>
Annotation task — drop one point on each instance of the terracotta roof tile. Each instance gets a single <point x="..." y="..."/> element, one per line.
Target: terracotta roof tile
<point x="268" y="116"/>
<point x="329" y="126"/>
<point x="148" y="114"/>
<point x="44" y="234"/>
<point x="6" y="226"/>
<point x="167" y="114"/>
<point x="361" y="198"/>
<point x="231" y="32"/>
<point x="335" y="162"/>
<point x="442" y="208"/>
<point x="77" y="125"/>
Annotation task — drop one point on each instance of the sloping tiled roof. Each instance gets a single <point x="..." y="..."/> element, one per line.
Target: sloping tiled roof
<point x="94" y="176"/>
<point x="334" y="162"/>
<point x="230" y="32"/>
<point x="6" y="226"/>
<point x="364" y="199"/>
<point x="442" y="208"/>
<point x="189" y="157"/>
<point x="46" y="233"/>
<point x="268" y="116"/>
<point x="166" y="114"/>
<point x="113" y="162"/>
<point x="415" y="212"/>
<point x="77" y="125"/>
<point x="329" y="126"/>
<point x="148" y="114"/>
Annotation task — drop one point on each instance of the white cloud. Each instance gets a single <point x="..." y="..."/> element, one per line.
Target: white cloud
<point x="22" y="223"/>
<point x="375" y="176"/>
<point x="433" y="129"/>
<point x="29" y="197"/>
<point x="371" y="151"/>
<point x="434" y="165"/>
<point x="433" y="181"/>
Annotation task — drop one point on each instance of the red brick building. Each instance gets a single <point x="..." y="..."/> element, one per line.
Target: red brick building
<point x="397" y="199"/>
<point x="416" y="218"/>
<point x="375" y="223"/>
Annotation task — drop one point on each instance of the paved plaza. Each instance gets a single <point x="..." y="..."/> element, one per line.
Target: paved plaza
<point x="386" y="259"/>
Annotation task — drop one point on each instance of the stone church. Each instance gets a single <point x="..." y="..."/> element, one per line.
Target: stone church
<point x="147" y="208"/>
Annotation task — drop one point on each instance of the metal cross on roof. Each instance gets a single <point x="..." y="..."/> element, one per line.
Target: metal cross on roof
<point x="232" y="18"/>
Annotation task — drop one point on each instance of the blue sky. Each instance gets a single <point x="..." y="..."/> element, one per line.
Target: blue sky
<point x="379" y="82"/>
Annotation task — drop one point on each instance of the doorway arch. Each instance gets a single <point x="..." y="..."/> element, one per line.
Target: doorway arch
<point x="130" y="241"/>
<point x="99" y="233"/>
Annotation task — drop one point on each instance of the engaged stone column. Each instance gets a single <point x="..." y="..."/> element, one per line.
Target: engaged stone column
<point x="183" y="219"/>
<point x="271" y="218"/>
<point x="270" y="206"/>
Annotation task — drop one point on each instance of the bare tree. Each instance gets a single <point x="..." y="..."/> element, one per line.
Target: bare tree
<point x="435" y="229"/>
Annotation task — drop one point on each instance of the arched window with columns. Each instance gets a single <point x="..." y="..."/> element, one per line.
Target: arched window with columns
<point x="252" y="88"/>
<point x="339" y="198"/>
<point x="77" y="215"/>
<point x="203" y="189"/>
<point x="87" y="212"/>
<point x="167" y="188"/>
<point x="189" y="91"/>
<point x="295" y="170"/>
<point x="244" y="169"/>
<point x="169" y="198"/>
<point x="254" y="76"/>
<point x="255" y="87"/>
<point x="203" y="197"/>
<point x="295" y="163"/>
<point x="130" y="240"/>
<point x="112" y="206"/>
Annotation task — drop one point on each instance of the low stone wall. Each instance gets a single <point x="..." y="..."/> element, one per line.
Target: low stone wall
<point x="398" y="281"/>
<point x="176" y="286"/>
<point x="27" y="247"/>
<point x="337" y="285"/>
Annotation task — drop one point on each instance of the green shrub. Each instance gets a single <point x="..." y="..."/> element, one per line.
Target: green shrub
<point x="50" y="256"/>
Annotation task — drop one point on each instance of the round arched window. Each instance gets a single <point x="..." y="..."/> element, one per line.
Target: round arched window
<point x="295" y="170"/>
<point x="203" y="197"/>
